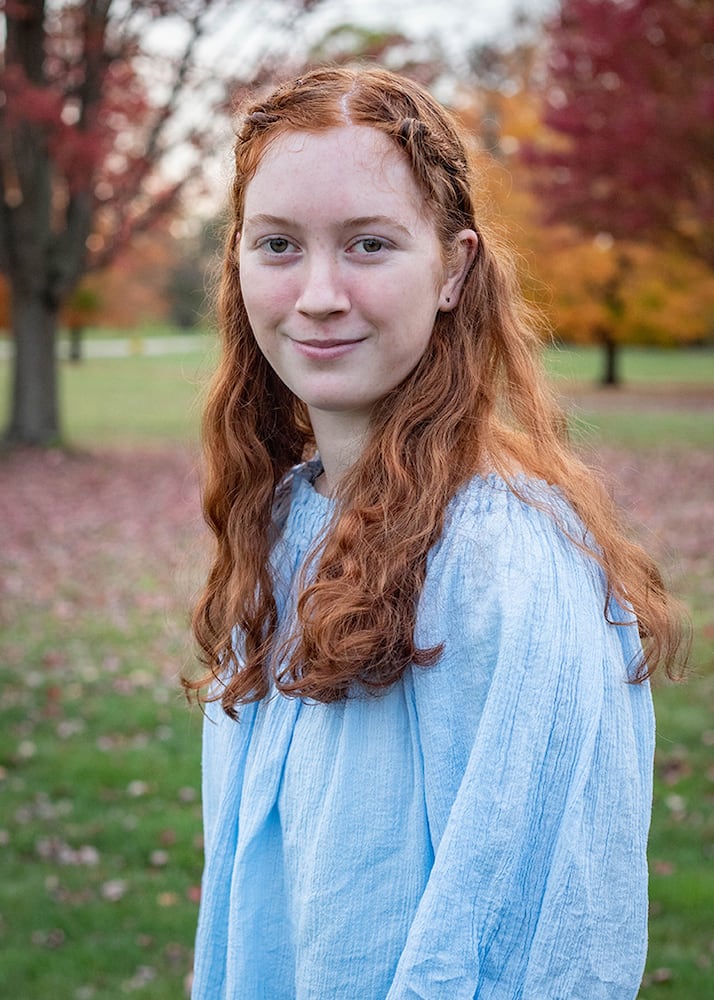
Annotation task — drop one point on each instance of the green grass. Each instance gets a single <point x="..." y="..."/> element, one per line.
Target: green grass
<point x="99" y="755"/>
<point x="130" y="401"/>
<point x="101" y="813"/>
<point x="641" y="428"/>
<point x="150" y="400"/>
<point x="665" y="400"/>
<point x="681" y="846"/>
<point x="637" y="364"/>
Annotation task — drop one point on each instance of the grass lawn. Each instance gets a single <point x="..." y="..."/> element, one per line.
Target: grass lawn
<point x="99" y="755"/>
<point x="638" y="364"/>
<point x="101" y="813"/>
<point x="129" y="401"/>
<point x="666" y="398"/>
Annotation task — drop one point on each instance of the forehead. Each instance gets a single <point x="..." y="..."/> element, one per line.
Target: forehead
<point x="353" y="169"/>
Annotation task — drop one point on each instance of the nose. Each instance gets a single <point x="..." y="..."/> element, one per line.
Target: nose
<point x="323" y="292"/>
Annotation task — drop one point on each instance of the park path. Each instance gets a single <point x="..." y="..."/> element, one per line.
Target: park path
<point x="126" y="347"/>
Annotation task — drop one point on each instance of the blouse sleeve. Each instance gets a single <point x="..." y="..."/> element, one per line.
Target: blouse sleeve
<point x="537" y="758"/>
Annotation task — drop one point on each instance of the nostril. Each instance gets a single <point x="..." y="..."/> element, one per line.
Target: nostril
<point x="322" y="296"/>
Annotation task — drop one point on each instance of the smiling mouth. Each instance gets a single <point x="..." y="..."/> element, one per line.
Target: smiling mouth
<point x="326" y="344"/>
<point x="326" y="350"/>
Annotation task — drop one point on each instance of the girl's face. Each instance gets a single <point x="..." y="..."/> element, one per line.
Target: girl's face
<point x="341" y="270"/>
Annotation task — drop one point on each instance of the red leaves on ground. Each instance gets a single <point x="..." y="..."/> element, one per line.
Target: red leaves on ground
<point x="118" y="532"/>
<point x="108" y="534"/>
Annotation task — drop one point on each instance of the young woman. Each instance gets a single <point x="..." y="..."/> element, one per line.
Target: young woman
<point x="428" y="740"/>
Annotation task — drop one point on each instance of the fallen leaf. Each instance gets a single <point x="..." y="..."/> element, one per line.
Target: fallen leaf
<point x="114" y="890"/>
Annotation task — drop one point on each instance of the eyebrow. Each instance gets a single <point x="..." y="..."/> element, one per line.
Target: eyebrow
<point x="359" y="222"/>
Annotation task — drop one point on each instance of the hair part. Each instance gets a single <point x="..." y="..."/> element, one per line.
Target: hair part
<point x="476" y="402"/>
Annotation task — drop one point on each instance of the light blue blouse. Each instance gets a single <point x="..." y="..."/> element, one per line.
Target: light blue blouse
<point x="479" y="831"/>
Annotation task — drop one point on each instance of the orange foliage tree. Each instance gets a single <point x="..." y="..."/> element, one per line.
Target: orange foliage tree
<point x="627" y="156"/>
<point x="592" y="288"/>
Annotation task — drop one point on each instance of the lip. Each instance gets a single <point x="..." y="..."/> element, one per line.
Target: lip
<point x="326" y="350"/>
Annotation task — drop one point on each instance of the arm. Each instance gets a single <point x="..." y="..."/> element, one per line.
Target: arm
<point x="223" y="764"/>
<point x="538" y="889"/>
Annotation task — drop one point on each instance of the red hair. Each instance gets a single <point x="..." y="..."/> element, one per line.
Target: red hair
<point x="476" y="402"/>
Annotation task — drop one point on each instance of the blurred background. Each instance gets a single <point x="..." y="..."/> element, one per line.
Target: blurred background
<point x="591" y="125"/>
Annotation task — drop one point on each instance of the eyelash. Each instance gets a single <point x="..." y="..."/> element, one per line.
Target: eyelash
<point x="277" y="239"/>
<point x="370" y="239"/>
<point x="267" y="245"/>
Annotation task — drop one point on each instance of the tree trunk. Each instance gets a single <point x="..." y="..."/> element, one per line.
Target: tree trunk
<point x="75" y="343"/>
<point x="34" y="417"/>
<point x="610" y="375"/>
<point x="611" y="368"/>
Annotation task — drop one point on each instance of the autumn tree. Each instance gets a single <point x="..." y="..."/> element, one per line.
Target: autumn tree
<point x="629" y="106"/>
<point x="193" y="274"/>
<point x="99" y="137"/>
<point x="133" y="289"/>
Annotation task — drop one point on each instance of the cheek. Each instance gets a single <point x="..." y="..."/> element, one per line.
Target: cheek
<point x="263" y="296"/>
<point x="422" y="288"/>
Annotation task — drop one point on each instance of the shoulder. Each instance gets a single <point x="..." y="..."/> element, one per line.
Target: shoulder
<point x="517" y="550"/>
<point x="514" y="582"/>
<point x="515" y="520"/>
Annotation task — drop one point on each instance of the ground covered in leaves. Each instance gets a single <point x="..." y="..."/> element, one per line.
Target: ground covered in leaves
<point x="99" y="754"/>
<point x="100" y="828"/>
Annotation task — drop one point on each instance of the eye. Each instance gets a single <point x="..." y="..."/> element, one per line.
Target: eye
<point x="277" y="244"/>
<point x="370" y="244"/>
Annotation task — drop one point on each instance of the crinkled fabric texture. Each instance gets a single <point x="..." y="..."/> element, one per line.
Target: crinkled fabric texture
<point x="479" y="831"/>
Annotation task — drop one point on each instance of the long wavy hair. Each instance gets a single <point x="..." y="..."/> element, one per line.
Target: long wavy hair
<point x="476" y="402"/>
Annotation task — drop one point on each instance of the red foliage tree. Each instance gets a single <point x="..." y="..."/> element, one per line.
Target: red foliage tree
<point x="90" y="122"/>
<point x="629" y="102"/>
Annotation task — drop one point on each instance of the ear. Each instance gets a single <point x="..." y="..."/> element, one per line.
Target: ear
<point x="467" y="241"/>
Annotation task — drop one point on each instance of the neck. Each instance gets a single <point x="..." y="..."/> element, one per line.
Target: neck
<point x="340" y="438"/>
